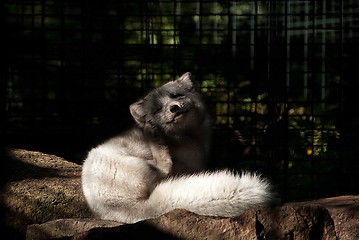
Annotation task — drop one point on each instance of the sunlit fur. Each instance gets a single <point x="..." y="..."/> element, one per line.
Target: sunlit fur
<point x="135" y="176"/>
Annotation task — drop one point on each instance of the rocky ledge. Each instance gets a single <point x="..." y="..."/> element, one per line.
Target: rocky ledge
<point x="42" y="199"/>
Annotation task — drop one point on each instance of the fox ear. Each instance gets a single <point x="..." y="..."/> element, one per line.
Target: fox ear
<point x="138" y="113"/>
<point x="185" y="79"/>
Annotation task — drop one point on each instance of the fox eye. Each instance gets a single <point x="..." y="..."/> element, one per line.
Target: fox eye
<point x="176" y="95"/>
<point x="157" y="110"/>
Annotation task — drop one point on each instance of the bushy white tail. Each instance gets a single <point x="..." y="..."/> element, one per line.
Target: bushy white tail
<point x="214" y="194"/>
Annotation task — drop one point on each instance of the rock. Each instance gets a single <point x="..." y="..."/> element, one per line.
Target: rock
<point x="43" y="192"/>
<point x="65" y="227"/>
<point x="37" y="188"/>
<point x="290" y="221"/>
<point x="344" y="211"/>
<point x="53" y="230"/>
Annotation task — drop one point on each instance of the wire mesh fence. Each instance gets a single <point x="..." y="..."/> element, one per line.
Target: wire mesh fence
<point x="280" y="79"/>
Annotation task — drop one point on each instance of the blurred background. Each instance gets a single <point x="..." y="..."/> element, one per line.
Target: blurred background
<point x="280" y="79"/>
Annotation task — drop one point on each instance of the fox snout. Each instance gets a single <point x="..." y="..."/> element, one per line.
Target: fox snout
<point x="177" y="107"/>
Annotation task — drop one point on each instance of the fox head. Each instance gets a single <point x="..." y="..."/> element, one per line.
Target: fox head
<point x="171" y="109"/>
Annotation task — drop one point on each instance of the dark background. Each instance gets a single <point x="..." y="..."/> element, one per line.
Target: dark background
<point x="280" y="79"/>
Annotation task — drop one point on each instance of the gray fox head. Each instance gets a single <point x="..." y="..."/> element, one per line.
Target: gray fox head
<point x="172" y="109"/>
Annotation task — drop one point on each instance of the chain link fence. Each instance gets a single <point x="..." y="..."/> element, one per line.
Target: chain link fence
<point x="280" y="79"/>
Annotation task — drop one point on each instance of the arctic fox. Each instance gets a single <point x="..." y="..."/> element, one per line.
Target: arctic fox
<point x="141" y="174"/>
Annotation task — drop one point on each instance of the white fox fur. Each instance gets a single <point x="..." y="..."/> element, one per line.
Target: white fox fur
<point x="132" y="177"/>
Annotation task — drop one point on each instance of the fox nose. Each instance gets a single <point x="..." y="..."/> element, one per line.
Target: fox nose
<point x="174" y="108"/>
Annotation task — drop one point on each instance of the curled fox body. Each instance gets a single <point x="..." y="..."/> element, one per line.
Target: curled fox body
<point x="157" y="166"/>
